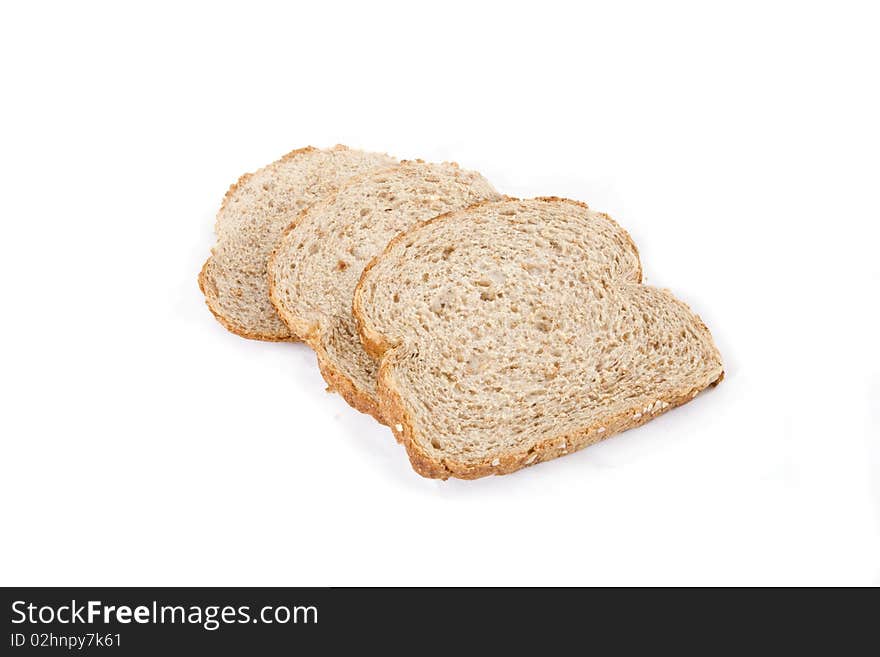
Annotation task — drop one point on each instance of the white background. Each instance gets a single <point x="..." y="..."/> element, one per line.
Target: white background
<point x="143" y="444"/>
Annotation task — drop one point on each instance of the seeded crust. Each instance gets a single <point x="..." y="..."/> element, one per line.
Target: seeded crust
<point x="232" y="280"/>
<point x="568" y="443"/>
<point x="395" y="407"/>
<point x="316" y="264"/>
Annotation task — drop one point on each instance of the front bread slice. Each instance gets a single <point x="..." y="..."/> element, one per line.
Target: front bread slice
<point x="514" y="332"/>
<point x="316" y="265"/>
<point x="253" y="216"/>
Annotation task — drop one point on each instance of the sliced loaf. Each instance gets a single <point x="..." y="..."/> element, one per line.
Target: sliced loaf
<point x="514" y="332"/>
<point x="316" y="265"/>
<point x="251" y="219"/>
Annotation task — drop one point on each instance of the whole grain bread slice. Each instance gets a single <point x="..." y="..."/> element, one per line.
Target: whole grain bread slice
<point x="518" y="331"/>
<point x="317" y="263"/>
<point x="253" y="215"/>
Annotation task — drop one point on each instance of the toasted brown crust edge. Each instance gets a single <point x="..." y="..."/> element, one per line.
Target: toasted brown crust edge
<point x="396" y="416"/>
<point x="211" y="299"/>
<point x="546" y="450"/>
<point x="338" y="382"/>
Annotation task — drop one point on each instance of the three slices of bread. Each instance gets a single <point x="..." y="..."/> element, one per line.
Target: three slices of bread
<point x="490" y="333"/>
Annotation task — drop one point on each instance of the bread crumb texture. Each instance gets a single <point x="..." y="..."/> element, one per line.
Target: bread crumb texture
<point x="318" y="262"/>
<point x="254" y="213"/>
<point x="517" y="331"/>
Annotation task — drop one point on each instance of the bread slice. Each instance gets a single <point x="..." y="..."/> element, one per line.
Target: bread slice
<point x="316" y="265"/>
<point x="514" y="332"/>
<point x="251" y="219"/>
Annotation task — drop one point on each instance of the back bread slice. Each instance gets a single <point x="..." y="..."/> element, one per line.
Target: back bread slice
<point x="254" y="213"/>
<point x="514" y="332"/>
<point x="314" y="270"/>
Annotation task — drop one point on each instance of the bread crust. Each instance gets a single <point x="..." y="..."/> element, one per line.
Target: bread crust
<point x="209" y="290"/>
<point x="338" y="382"/>
<point x="424" y="464"/>
<point x="394" y="410"/>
